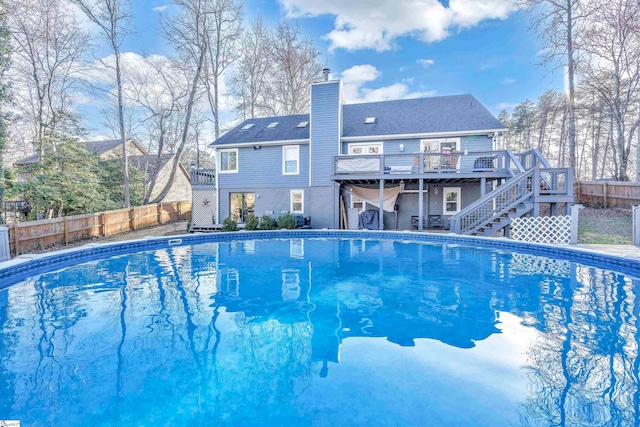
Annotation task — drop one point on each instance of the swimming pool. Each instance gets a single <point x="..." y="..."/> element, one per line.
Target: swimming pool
<point x="321" y="329"/>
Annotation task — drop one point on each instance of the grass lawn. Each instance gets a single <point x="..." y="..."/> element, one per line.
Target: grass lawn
<point x="605" y="226"/>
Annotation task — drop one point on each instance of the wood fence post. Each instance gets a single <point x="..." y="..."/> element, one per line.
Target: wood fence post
<point x="66" y="230"/>
<point x="132" y="219"/>
<point x="605" y="189"/>
<point x="159" y="212"/>
<point x="103" y="226"/>
<point x="179" y="211"/>
<point x="15" y="239"/>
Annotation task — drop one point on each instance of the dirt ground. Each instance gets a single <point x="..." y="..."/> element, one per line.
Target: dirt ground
<point x="605" y="226"/>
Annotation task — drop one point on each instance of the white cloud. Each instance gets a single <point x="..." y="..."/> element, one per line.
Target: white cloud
<point x="507" y="105"/>
<point x="426" y="63"/>
<point x="160" y="8"/>
<point x="508" y="81"/>
<point x="355" y="78"/>
<point x="375" y="24"/>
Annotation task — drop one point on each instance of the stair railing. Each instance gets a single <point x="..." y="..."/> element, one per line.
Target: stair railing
<point x="497" y="202"/>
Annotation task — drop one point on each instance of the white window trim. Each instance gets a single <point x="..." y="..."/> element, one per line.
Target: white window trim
<point x="301" y="211"/>
<point x="446" y="190"/>
<point x="228" y="150"/>
<point x="423" y="143"/>
<point x="284" y="160"/>
<point x="366" y="144"/>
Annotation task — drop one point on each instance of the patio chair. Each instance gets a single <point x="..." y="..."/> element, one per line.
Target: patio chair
<point x="435" y="221"/>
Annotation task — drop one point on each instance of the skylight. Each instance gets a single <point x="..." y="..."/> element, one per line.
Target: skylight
<point x="272" y="125"/>
<point x="370" y="120"/>
<point x="302" y="124"/>
<point x="248" y="126"/>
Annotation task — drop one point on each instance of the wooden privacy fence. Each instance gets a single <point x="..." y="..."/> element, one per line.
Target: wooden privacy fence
<point x="608" y="194"/>
<point x="27" y="236"/>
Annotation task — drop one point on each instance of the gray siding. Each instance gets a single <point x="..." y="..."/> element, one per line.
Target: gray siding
<point x="263" y="168"/>
<point x="471" y="143"/>
<point x="318" y="202"/>
<point x="325" y="131"/>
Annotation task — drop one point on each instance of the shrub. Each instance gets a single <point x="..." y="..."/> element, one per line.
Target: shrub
<point x="229" y="225"/>
<point x="251" y="222"/>
<point x="287" y="221"/>
<point x="267" y="223"/>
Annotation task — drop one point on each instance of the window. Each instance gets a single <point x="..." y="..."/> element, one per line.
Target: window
<point x="439" y="145"/>
<point x="272" y="125"/>
<point x="366" y="148"/>
<point x="297" y="201"/>
<point x="302" y="124"/>
<point x="451" y="200"/>
<point x="247" y="126"/>
<point x="439" y="153"/>
<point x="290" y="160"/>
<point x="370" y="120"/>
<point x="229" y="161"/>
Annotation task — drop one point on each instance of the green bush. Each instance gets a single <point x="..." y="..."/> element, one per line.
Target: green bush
<point x="251" y="222"/>
<point x="267" y="223"/>
<point x="287" y="221"/>
<point x="229" y="225"/>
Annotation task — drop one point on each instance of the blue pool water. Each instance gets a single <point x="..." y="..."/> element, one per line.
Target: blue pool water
<point x="321" y="332"/>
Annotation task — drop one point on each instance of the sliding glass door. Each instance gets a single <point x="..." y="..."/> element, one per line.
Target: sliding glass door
<point x="242" y="205"/>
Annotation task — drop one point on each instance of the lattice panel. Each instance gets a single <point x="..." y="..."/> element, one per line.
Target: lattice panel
<point x="544" y="229"/>
<point x="203" y="207"/>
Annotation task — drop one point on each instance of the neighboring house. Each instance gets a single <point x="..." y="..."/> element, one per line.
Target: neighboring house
<point x="420" y="163"/>
<point x="139" y="158"/>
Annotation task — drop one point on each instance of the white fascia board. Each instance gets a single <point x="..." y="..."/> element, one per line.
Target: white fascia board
<point x="261" y="143"/>
<point x="421" y="135"/>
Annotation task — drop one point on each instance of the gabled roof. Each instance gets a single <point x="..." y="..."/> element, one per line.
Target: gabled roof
<point x="457" y="113"/>
<point x="97" y="147"/>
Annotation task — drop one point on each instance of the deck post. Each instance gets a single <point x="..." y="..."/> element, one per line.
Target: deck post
<point x="575" y="211"/>
<point x="420" y="203"/>
<point x="381" y="209"/>
<point x="483" y="186"/>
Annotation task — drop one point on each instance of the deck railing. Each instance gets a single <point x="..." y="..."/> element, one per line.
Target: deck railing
<point x="426" y="163"/>
<point x="203" y="177"/>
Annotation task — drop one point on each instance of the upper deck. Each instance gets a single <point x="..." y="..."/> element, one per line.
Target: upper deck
<point x="433" y="166"/>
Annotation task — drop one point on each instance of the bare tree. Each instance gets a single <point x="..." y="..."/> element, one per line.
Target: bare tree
<point x="48" y="46"/>
<point x="188" y="32"/>
<point x="111" y="18"/>
<point x="223" y="34"/>
<point x="160" y="92"/>
<point x="296" y="63"/>
<point x="557" y="22"/>
<point x="612" y="45"/>
<point x="250" y="75"/>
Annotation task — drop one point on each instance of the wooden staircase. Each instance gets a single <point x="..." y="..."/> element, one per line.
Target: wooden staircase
<point x="534" y="183"/>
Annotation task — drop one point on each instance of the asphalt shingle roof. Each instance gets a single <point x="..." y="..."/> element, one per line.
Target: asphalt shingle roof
<point x="407" y="116"/>
<point x="98" y="147"/>
<point x="287" y="129"/>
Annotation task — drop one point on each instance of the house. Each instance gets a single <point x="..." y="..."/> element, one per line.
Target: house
<point x="418" y="163"/>
<point x="138" y="158"/>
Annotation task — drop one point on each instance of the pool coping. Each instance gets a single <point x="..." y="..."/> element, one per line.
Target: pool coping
<point x="32" y="265"/>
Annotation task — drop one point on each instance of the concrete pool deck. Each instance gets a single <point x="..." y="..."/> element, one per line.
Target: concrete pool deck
<point x="629" y="251"/>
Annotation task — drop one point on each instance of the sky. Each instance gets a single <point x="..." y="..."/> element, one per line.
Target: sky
<point x="392" y="49"/>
